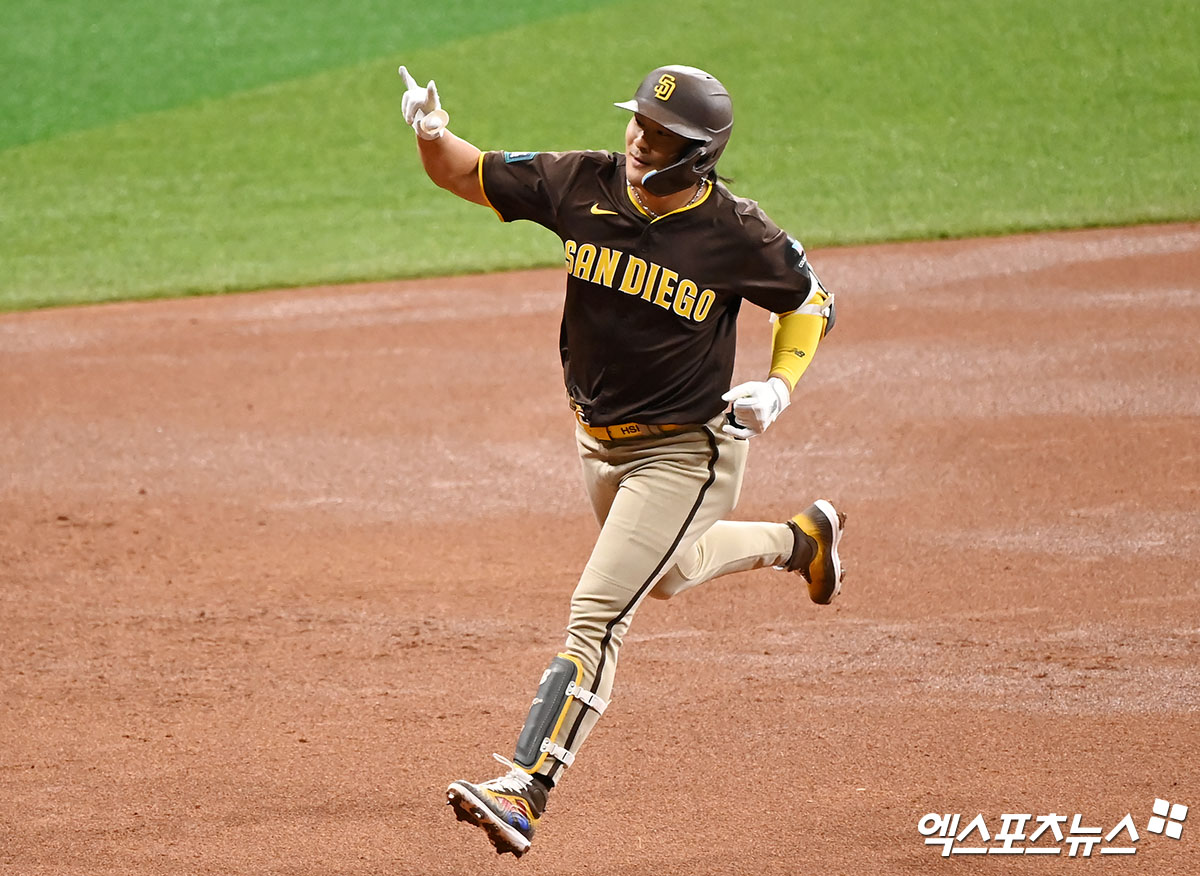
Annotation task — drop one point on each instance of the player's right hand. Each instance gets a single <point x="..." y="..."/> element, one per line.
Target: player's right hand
<point x="755" y="406"/>
<point x="419" y="102"/>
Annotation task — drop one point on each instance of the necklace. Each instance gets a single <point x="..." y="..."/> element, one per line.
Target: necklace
<point x="701" y="189"/>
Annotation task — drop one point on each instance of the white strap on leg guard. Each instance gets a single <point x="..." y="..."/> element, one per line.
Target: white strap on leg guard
<point x="557" y="752"/>
<point x="589" y="699"/>
<point x="560" y="684"/>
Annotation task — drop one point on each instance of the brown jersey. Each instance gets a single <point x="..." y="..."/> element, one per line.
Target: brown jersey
<point x="649" y="323"/>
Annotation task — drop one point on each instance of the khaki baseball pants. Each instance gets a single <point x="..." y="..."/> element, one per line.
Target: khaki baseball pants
<point x="660" y="503"/>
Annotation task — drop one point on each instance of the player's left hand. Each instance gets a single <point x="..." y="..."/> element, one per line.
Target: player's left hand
<point x="755" y="406"/>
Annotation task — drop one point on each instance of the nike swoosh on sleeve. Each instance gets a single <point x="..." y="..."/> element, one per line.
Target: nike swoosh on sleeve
<point x="597" y="210"/>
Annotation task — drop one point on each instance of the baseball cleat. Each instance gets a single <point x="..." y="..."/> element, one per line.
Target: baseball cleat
<point x="507" y="808"/>
<point x="816" y="531"/>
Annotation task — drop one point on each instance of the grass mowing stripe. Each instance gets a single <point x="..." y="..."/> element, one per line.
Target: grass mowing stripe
<point x="77" y="64"/>
<point x="854" y="123"/>
<point x="996" y="118"/>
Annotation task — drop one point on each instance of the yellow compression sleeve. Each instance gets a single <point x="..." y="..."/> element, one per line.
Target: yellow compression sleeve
<point x="793" y="343"/>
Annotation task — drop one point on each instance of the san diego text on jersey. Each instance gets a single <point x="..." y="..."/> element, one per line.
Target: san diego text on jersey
<point x="639" y="278"/>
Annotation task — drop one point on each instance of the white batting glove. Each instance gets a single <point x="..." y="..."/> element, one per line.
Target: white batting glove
<point x="756" y="405"/>
<point x="422" y="109"/>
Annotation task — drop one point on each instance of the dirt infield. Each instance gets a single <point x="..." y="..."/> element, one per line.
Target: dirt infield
<point x="275" y="568"/>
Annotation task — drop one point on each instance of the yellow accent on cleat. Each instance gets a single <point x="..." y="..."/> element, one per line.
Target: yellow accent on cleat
<point x="823" y="524"/>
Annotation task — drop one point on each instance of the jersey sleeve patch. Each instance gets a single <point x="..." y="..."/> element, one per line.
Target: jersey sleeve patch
<point x="797" y="257"/>
<point x="514" y="157"/>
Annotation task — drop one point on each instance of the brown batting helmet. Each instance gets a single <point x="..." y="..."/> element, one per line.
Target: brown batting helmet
<point x="692" y="104"/>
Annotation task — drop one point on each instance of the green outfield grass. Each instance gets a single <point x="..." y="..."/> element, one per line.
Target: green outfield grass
<point x="271" y="153"/>
<point x="77" y="64"/>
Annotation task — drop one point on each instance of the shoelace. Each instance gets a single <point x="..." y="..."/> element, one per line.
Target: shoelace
<point x="514" y="781"/>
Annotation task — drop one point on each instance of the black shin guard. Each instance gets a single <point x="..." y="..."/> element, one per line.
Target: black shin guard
<point x="560" y="684"/>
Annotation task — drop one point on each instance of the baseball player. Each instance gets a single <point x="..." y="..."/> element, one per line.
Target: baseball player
<point x="660" y="256"/>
